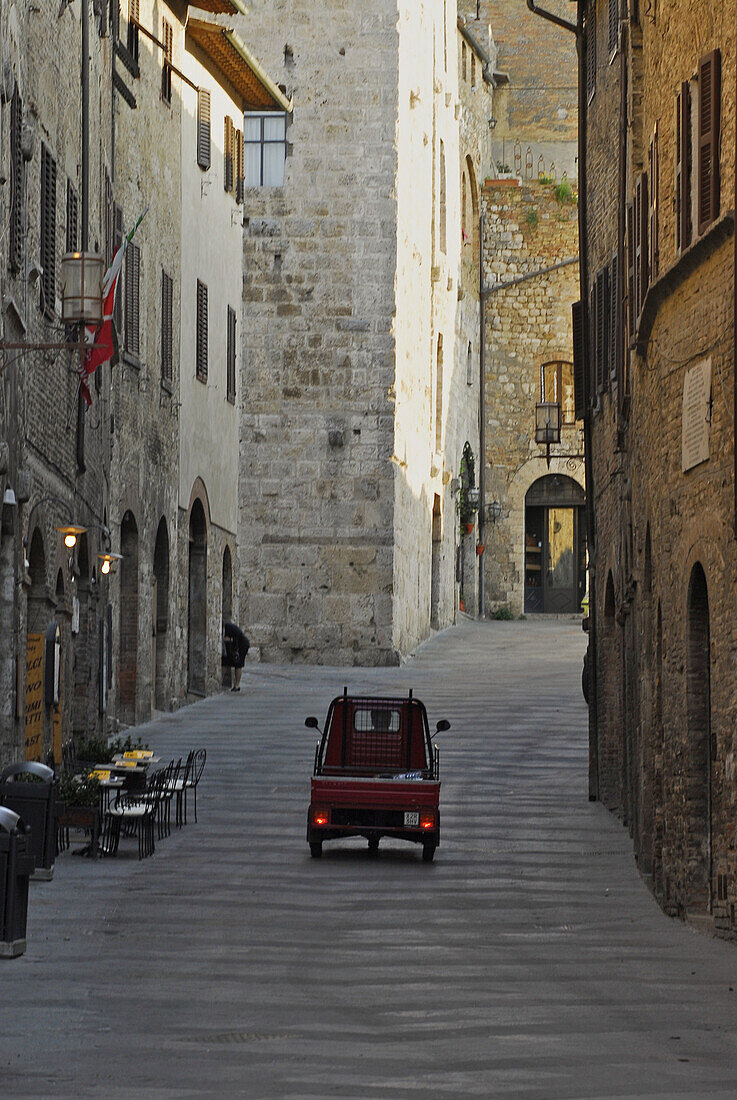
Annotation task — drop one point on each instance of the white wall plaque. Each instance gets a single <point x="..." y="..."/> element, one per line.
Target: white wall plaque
<point x="696" y="415"/>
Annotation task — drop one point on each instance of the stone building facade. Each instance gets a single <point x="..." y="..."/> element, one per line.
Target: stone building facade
<point x="661" y="336"/>
<point x="536" y="109"/>
<point x="348" y="526"/>
<point x="535" y="536"/>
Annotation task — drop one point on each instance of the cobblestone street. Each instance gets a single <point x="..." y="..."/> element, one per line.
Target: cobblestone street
<point x="528" y="960"/>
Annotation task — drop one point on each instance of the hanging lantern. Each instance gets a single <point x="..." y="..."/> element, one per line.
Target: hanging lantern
<point x="81" y="288"/>
<point x="547" y="422"/>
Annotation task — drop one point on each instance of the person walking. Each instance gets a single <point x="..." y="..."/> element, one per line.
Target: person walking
<point x="235" y="648"/>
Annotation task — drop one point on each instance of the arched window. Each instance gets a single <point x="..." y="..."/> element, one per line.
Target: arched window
<point x="557" y="386"/>
<point x="464" y="61"/>
<point x="464" y="207"/>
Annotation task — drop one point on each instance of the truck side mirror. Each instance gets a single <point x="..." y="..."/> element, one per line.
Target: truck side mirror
<point x="442" y="725"/>
<point x="311" y="723"/>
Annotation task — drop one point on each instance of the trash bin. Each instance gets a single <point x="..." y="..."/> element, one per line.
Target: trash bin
<point x="16" y="867"/>
<point x="35" y="803"/>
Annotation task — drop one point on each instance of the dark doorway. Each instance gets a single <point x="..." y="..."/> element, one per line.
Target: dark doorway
<point x="555" y="546"/>
<point x="161" y="616"/>
<point x="437" y="535"/>
<point x="700" y="750"/>
<point x="82" y="713"/>
<point x="128" y="674"/>
<point x="197" y="602"/>
<point x="227" y="605"/>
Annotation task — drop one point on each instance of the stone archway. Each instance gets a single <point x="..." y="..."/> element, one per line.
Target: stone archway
<point x="128" y="665"/>
<point x="700" y="748"/>
<point x="555" y="545"/>
<point x="197" y="601"/>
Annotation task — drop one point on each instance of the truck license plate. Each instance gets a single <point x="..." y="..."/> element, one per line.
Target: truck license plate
<point x="412" y="817"/>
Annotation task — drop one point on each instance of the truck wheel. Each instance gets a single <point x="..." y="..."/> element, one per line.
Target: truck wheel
<point x="373" y="846"/>
<point x="428" y="851"/>
<point x="315" y="848"/>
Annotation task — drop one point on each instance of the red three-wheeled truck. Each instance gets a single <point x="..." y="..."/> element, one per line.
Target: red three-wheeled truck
<point x="376" y="774"/>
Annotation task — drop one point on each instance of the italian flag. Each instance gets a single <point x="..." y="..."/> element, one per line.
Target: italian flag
<point x="102" y="337"/>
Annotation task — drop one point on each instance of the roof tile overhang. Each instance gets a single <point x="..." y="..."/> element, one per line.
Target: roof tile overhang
<point x="220" y="7"/>
<point x="240" y="69"/>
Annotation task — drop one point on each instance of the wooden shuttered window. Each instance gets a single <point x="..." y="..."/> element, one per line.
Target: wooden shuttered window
<point x="48" y="232"/>
<point x="132" y="299"/>
<point x="592" y="345"/>
<point x="167" y="38"/>
<point x="229" y="146"/>
<point x="203" y="128"/>
<point x="654" y="213"/>
<point x="201" y="341"/>
<point x="579" y="361"/>
<point x="134" y="17"/>
<point x="613" y="317"/>
<point x="630" y="234"/>
<point x="602" y="333"/>
<point x="167" y="327"/>
<point x="17" y="184"/>
<point x="590" y="43"/>
<point x="72" y="239"/>
<point x="232" y="328"/>
<point x="239" y="166"/>
<point x="683" y="168"/>
<point x="640" y="217"/>
<point x="613" y="26"/>
<point x="710" y="99"/>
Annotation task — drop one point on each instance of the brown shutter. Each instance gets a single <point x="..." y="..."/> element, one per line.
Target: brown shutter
<point x="132" y="299"/>
<point x="231" y="353"/>
<point x="613" y="317"/>
<point x="710" y="96"/>
<point x="201" y="342"/>
<point x="631" y="313"/>
<point x="613" y="25"/>
<point x="654" y="234"/>
<point x="134" y="16"/>
<point x="167" y="37"/>
<point x="239" y="165"/>
<point x="644" y="236"/>
<point x="17" y="189"/>
<point x="592" y="346"/>
<point x="72" y="218"/>
<point x="590" y="45"/>
<point x="229" y="142"/>
<point x="579" y="361"/>
<point x="166" y="327"/>
<point x="48" y="232"/>
<point x="203" y="128"/>
<point x="600" y="329"/>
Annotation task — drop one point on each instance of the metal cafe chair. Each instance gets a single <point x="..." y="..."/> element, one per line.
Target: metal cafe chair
<point x="196" y="767"/>
<point x="136" y="813"/>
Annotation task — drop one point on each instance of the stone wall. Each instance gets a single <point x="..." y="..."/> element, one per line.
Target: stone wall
<point x="528" y="228"/>
<point x="665" y="557"/>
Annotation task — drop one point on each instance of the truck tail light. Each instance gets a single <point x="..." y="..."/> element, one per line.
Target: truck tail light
<point x="320" y="815"/>
<point x="427" y="819"/>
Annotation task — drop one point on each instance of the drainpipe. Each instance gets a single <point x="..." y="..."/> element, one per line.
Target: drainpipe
<point x="85" y="218"/>
<point x="577" y="29"/>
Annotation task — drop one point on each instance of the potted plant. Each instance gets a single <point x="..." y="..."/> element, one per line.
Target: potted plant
<point x="80" y="809"/>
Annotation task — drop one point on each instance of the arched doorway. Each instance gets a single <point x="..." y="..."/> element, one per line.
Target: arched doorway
<point x="197" y="601"/>
<point x="38" y="615"/>
<point x="700" y="748"/>
<point x="555" y="545"/>
<point x="437" y="538"/>
<point x="161" y="617"/>
<point x="128" y="669"/>
<point x="227" y="602"/>
<point x="83" y="646"/>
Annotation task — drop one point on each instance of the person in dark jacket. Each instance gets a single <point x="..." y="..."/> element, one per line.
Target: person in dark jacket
<point x="235" y="648"/>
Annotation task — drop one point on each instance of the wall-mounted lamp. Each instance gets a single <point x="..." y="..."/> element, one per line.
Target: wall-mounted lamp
<point x="547" y="425"/>
<point x="81" y="288"/>
<point x="492" y="123"/>
<point x="108" y="561"/>
<point x="494" y="511"/>
<point x="71" y="533"/>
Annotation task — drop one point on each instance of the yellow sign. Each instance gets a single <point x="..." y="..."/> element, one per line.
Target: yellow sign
<point x="137" y="754"/>
<point x="125" y="764"/>
<point x="34" y="696"/>
<point x="100" y="774"/>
